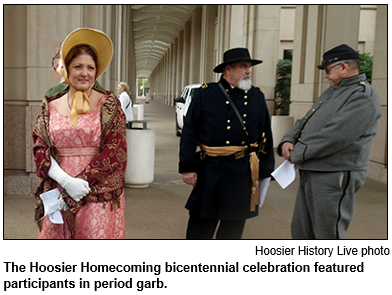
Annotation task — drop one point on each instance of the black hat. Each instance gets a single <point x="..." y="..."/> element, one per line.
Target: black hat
<point x="341" y="52"/>
<point x="235" y="55"/>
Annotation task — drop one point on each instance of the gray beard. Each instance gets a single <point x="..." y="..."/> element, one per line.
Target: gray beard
<point x="245" y="83"/>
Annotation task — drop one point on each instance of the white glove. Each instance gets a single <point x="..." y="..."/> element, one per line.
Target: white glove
<point x="76" y="188"/>
<point x="62" y="205"/>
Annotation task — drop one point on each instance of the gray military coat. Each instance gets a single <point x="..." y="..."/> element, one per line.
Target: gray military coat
<point x="336" y="133"/>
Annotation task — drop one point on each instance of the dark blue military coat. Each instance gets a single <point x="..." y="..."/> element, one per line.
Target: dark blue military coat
<point x="223" y="188"/>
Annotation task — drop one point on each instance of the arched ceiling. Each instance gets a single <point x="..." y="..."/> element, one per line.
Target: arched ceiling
<point x="155" y="27"/>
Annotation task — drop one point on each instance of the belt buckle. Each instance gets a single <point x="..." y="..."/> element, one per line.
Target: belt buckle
<point x="239" y="155"/>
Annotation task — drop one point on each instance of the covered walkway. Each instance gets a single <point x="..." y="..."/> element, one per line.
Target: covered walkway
<point x="158" y="212"/>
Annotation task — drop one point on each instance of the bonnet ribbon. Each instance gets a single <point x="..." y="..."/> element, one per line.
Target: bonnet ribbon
<point x="80" y="101"/>
<point x="80" y="105"/>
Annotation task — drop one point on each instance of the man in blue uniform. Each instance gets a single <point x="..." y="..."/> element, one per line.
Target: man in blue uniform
<point x="230" y="123"/>
<point x="330" y="146"/>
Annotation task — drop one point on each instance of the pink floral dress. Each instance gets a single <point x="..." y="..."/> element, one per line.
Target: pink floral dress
<point x="77" y="146"/>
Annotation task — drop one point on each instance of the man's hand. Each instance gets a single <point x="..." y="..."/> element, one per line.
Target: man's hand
<point x="190" y="178"/>
<point x="286" y="150"/>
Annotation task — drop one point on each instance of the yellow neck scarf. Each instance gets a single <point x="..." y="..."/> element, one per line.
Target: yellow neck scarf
<point x="80" y="105"/>
<point x="80" y="100"/>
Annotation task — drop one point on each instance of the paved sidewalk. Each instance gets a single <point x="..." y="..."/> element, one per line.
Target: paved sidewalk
<point x="158" y="212"/>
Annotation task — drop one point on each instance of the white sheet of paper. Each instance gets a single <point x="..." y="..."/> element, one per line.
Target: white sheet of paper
<point x="284" y="174"/>
<point x="263" y="187"/>
<point x="51" y="204"/>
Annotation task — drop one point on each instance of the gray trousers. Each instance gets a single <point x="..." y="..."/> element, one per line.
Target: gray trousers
<point x="325" y="204"/>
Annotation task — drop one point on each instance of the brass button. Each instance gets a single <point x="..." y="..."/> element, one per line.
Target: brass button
<point x="244" y="128"/>
<point x="246" y="91"/>
<point x="228" y="127"/>
<point x="228" y="121"/>
<point x="245" y="96"/>
<point x="244" y="122"/>
<point x="245" y="103"/>
<point x="227" y="142"/>
<point x="299" y="139"/>
<point x="227" y="102"/>
<point x="313" y="110"/>
<point x="243" y="142"/>
<point x="245" y="115"/>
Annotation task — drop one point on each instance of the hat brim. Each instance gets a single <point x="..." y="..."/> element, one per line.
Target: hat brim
<point x="321" y="67"/>
<point x="219" y="68"/>
<point x="97" y="40"/>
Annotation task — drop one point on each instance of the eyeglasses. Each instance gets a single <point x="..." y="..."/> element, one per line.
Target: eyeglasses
<point x="328" y="69"/>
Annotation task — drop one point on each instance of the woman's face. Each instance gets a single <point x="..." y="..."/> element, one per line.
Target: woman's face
<point x="82" y="72"/>
<point x="120" y="89"/>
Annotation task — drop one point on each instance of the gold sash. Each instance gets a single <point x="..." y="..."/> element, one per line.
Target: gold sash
<point x="253" y="161"/>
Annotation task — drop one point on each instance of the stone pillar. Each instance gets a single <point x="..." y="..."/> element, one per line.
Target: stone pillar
<point x="263" y="43"/>
<point x="43" y="42"/>
<point x="378" y="168"/>
<point x="172" y="52"/>
<point x="237" y="24"/>
<point x="186" y="55"/>
<point x="222" y="32"/>
<point x="207" y="43"/>
<point x="194" y="70"/>
<point x="255" y="27"/>
<point x="179" y="64"/>
<point x="318" y="28"/>
<point x="15" y="90"/>
<point x="130" y="66"/>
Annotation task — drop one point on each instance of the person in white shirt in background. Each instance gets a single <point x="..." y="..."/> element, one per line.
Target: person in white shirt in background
<point x="126" y="101"/>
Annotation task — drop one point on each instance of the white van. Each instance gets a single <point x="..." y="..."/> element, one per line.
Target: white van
<point x="182" y="104"/>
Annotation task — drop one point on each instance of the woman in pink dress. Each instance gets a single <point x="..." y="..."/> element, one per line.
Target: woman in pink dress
<point x="80" y="145"/>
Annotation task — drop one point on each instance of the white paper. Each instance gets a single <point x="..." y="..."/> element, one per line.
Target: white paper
<point x="284" y="174"/>
<point x="51" y="204"/>
<point x="263" y="187"/>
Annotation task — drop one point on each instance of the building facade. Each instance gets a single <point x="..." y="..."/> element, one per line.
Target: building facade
<point x="32" y="36"/>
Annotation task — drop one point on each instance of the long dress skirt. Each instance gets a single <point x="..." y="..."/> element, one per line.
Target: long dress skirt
<point x="77" y="146"/>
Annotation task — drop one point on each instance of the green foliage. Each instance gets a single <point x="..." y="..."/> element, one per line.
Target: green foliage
<point x="366" y="65"/>
<point x="282" y="87"/>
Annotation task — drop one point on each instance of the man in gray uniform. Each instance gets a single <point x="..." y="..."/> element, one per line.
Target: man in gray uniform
<point x="330" y="146"/>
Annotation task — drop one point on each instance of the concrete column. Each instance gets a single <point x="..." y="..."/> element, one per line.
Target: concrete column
<point x="237" y="26"/>
<point x="263" y="39"/>
<point x="222" y="34"/>
<point x="179" y="64"/>
<point x="318" y="28"/>
<point x="15" y="90"/>
<point x="207" y="43"/>
<point x="187" y="53"/>
<point x="379" y="152"/>
<point x="91" y="16"/>
<point x="172" y="74"/>
<point x="194" y="70"/>
<point x="43" y="41"/>
<point x="166" y="76"/>
<point x="108" y="25"/>
<point x="130" y="66"/>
